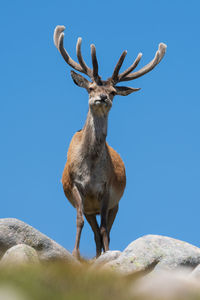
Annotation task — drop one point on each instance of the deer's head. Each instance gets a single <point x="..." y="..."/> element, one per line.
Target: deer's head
<point x="101" y="93"/>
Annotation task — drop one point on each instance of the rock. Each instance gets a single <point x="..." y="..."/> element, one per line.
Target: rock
<point x="153" y="252"/>
<point x="14" y="232"/>
<point x="20" y="254"/>
<point x="106" y="257"/>
<point x="195" y="273"/>
<point x="166" y="285"/>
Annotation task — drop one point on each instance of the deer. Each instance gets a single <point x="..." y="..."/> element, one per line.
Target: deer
<point x="94" y="176"/>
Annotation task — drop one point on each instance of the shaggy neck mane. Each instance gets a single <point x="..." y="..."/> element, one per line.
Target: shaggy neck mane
<point x="94" y="134"/>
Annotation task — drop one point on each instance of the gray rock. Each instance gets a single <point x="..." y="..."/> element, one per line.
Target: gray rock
<point x="14" y="232"/>
<point x="20" y="254"/>
<point x="166" y="285"/>
<point x="106" y="257"/>
<point x="154" y="252"/>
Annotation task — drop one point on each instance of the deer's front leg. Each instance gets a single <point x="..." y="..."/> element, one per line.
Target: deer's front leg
<point x="97" y="236"/>
<point x="79" y="220"/>
<point x="103" y="227"/>
<point x="111" y="217"/>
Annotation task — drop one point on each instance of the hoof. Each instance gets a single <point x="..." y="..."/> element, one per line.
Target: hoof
<point x="76" y="254"/>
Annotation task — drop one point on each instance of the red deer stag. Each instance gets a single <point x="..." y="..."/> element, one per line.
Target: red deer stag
<point x="94" y="176"/>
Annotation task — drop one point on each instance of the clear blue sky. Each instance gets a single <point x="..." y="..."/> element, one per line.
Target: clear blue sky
<point x="156" y="130"/>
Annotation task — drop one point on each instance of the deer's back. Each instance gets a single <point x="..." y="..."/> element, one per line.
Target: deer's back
<point x="93" y="177"/>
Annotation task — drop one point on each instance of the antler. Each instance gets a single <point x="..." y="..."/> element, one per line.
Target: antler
<point x="81" y="67"/>
<point x="127" y="75"/>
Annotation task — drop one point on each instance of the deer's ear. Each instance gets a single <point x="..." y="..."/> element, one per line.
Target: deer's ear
<point x="79" y="80"/>
<point x="124" y="90"/>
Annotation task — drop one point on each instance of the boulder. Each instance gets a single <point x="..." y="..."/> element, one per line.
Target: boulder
<point x="166" y="285"/>
<point x="14" y="232"/>
<point x="20" y="254"/>
<point x="106" y="257"/>
<point x="154" y="252"/>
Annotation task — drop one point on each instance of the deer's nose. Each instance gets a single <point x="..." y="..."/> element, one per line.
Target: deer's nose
<point x="103" y="97"/>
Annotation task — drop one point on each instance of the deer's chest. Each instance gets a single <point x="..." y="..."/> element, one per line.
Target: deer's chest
<point x="92" y="176"/>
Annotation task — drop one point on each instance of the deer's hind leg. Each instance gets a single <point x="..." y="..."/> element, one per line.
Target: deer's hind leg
<point x="97" y="236"/>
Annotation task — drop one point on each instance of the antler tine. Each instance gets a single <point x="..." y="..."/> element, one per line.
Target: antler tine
<point x="131" y="68"/>
<point x="150" y="66"/>
<point x="58" y="41"/>
<point x="80" y="58"/>
<point x="57" y="32"/>
<point x="94" y="62"/>
<point x="162" y="49"/>
<point x="118" y="66"/>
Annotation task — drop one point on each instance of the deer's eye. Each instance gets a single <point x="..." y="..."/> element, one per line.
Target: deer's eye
<point x="113" y="93"/>
<point x="91" y="89"/>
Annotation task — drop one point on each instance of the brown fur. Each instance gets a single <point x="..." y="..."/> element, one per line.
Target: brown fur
<point x="118" y="180"/>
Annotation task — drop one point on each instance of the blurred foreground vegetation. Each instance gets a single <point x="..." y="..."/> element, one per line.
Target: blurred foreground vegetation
<point x="60" y="281"/>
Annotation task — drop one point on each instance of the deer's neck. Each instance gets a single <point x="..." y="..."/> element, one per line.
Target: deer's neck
<point x="94" y="134"/>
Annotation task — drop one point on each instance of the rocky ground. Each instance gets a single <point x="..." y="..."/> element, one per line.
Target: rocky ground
<point x="32" y="266"/>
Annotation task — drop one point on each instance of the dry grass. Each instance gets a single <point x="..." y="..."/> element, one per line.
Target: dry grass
<point x="61" y="281"/>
